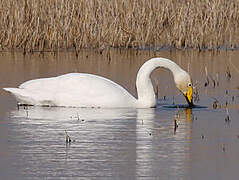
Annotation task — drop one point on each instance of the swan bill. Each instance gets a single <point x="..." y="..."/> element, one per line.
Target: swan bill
<point x="188" y="97"/>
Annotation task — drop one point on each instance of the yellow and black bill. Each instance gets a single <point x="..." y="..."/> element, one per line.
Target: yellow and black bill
<point x="189" y="96"/>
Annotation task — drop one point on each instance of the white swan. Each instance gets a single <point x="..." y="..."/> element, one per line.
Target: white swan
<point x="87" y="90"/>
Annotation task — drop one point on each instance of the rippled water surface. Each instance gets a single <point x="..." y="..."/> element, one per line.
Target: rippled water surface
<point x="123" y="143"/>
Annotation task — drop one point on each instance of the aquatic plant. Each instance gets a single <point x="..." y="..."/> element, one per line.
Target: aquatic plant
<point x="50" y="25"/>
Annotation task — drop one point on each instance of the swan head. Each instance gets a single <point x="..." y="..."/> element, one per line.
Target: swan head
<point x="184" y="84"/>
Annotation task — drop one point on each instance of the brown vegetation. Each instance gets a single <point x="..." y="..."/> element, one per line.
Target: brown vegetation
<point x="59" y="24"/>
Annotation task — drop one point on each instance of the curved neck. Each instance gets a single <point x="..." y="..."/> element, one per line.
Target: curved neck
<point x="146" y="94"/>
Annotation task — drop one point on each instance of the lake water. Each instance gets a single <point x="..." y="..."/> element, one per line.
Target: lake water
<point x="123" y="143"/>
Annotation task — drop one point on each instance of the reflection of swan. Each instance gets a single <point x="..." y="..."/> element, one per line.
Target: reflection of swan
<point x="57" y="114"/>
<point x="117" y="137"/>
<point x="87" y="90"/>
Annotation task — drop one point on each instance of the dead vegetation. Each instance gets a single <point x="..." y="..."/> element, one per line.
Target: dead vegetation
<point x="50" y="25"/>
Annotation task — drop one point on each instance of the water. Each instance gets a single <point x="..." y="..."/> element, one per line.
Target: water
<point x="122" y="143"/>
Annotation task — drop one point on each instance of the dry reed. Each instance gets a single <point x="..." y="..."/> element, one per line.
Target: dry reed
<point x="61" y="24"/>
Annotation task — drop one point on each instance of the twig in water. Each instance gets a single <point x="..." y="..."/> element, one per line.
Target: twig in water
<point x="68" y="139"/>
<point x="227" y="119"/>
<point x="175" y="125"/>
<point x="214" y="82"/>
<point x="217" y="77"/>
<point x="214" y="105"/>
<point x="207" y="82"/>
<point x="26" y="108"/>
<point x="223" y="148"/>
<point x="157" y="91"/>
<point x="196" y="95"/>
<point x="78" y="116"/>
<point x="228" y="74"/>
<point x="164" y="98"/>
<point x="207" y="79"/>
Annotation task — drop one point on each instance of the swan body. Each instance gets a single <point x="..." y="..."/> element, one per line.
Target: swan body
<point x="88" y="90"/>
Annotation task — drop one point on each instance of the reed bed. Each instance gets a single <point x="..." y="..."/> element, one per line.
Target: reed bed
<point x="50" y="25"/>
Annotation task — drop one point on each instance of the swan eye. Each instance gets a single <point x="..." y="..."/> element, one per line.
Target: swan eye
<point x="189" y="84"/>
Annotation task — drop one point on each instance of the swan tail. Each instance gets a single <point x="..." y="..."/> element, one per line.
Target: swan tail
<point x="16" y="91"/>
<point x="22" y="95"/>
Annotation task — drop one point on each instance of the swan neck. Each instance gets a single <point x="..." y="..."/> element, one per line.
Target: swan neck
<point x="145" y="90"/>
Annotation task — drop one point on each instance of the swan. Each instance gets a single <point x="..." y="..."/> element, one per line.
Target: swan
<point x="88" y="90"/>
